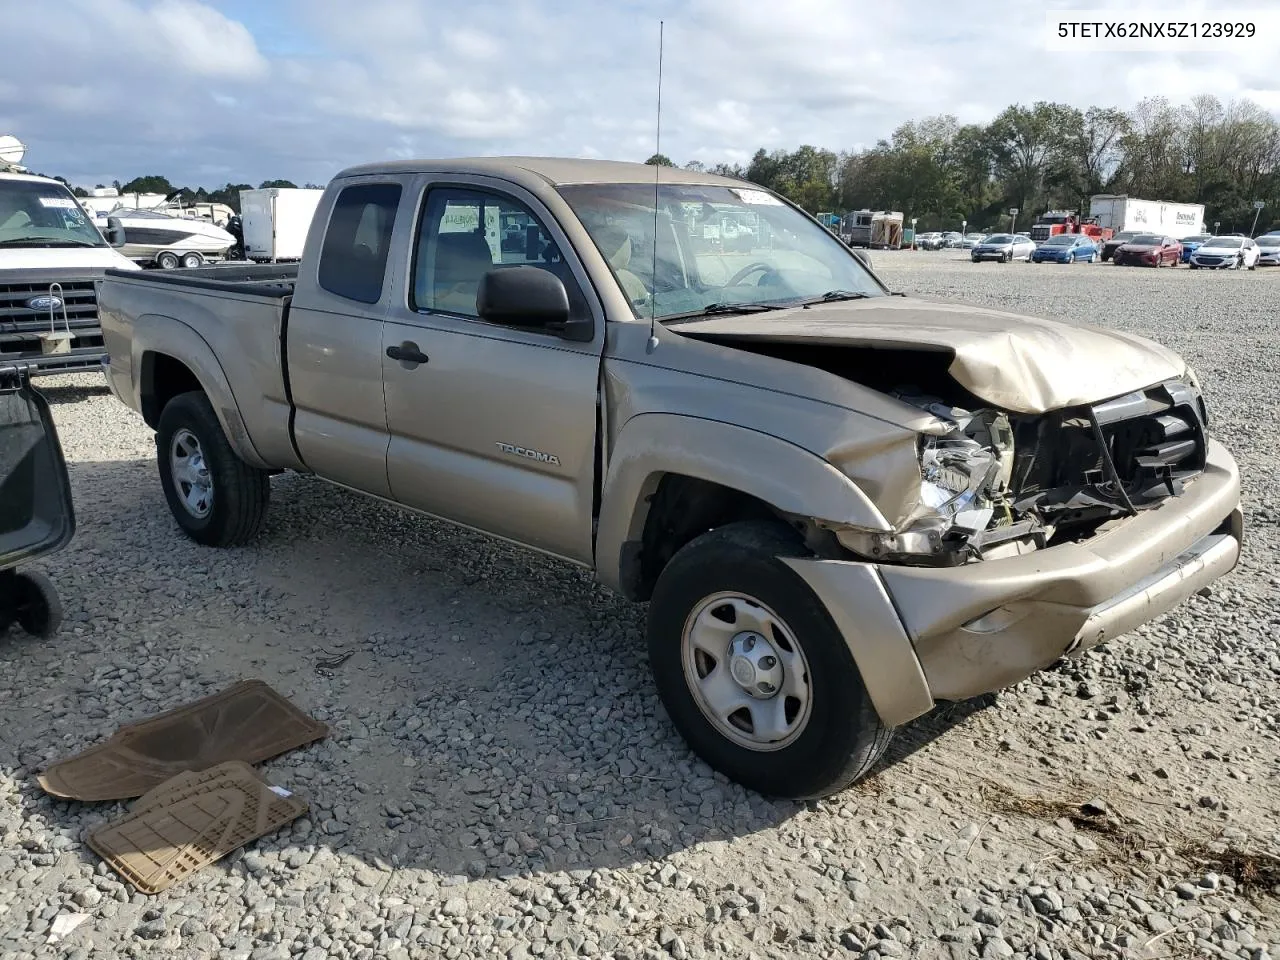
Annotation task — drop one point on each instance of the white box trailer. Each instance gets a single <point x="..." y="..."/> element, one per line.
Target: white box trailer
<point x="275" y="221"/>
<point x="1122" y="212"/>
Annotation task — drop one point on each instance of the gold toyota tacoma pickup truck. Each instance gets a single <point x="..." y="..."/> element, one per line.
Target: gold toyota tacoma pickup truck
<point x="842" y="505"/>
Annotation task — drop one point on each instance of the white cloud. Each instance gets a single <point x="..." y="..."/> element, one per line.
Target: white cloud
<point x="183" y="87"/>
<point x="205" y="42"/>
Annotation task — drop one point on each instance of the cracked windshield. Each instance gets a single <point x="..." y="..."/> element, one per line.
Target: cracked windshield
<point x="719" y="249"/>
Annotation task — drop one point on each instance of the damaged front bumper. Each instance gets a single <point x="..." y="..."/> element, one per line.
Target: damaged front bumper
<point x="923" y="634"/>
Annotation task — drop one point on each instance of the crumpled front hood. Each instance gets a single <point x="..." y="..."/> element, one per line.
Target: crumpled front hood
<point x="1018" y="363"/>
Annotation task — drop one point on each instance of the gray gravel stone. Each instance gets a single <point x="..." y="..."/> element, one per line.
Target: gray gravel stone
<point x="501" y="783"/>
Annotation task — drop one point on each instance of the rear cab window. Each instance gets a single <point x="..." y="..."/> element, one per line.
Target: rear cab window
<point x="353" y="258"/>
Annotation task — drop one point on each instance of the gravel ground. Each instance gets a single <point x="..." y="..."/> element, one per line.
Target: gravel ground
<point x="502" y="782"/>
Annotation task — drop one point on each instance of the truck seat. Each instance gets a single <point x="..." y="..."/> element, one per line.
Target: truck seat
<point x="462" y="260"/>
<point x="620" y="259"/>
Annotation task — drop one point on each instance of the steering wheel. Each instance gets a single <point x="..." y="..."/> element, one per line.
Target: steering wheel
<point x="749" y="269"/>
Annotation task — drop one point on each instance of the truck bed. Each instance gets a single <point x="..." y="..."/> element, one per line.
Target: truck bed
<point x="237" y="310"/>
<point x="274" y="280"/>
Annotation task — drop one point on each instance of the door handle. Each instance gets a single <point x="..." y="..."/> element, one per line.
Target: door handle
<point x="407" y="352"/>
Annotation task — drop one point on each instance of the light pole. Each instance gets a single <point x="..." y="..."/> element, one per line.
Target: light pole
<point x="1013" y="224"/>
<point x="963" y="225"/>
<point x="913" y="232"/>
<point x="1216" y="225"/>
<point x="1257" y="209"/>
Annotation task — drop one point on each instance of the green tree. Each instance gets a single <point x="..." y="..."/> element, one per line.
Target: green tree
<point x="151" y="184"/>
<point x="1090" y="151"/>
<point x="280" y="184"/>
<point x="1154" y="148"/>
<point x="1027" y="148"/>
<point x="660" y="160"/>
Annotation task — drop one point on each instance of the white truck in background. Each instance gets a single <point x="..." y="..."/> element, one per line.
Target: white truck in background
<point x="52" y="256"/>
<point x="275" y="221"/>
<point x="1121" y="212"/>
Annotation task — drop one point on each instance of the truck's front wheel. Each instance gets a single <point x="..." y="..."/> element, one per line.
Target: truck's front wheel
<point x="752" y="670"/>
<point x="217" y="498"/>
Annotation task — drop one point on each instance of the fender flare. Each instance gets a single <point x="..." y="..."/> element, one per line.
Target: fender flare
<point x="651" y="445"/>
<point x="169" y="336"/>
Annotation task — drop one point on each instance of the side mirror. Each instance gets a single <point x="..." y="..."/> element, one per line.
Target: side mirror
<point x="114" y="232"/>
<point x="863" y="257"/>
<point x="527" y="296"/>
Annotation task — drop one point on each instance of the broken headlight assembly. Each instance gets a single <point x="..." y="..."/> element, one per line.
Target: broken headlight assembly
<point x="964" y="508"/>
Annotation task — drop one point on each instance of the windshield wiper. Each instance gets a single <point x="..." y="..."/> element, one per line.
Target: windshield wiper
<point x="716" y="308"/>
<point x="834" y="296"/>
<point x="69" y="241"/>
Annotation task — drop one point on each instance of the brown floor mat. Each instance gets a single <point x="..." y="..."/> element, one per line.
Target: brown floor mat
<point x="248" y="721"/>
<point x="182" y="827"/>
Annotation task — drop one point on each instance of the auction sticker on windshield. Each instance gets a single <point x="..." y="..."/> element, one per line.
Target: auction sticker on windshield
<point x="756" y="196"/>
<point x="61" y="203"/>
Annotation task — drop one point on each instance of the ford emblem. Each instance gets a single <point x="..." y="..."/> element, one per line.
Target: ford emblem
<point x="46" y="302"/>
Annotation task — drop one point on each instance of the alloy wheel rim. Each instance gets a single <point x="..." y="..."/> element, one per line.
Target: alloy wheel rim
<point x="190" y="471"/>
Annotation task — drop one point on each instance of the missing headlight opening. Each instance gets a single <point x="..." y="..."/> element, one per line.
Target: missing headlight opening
<point x="996" y="484"/>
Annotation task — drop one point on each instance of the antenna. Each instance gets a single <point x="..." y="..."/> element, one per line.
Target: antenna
<point x="657" y="179"/>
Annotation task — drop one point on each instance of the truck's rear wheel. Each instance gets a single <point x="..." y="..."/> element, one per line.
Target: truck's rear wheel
<point x="753" y="672"/>
<point x="216" y="498"/>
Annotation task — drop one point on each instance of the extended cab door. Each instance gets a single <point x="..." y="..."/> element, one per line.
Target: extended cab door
<point x="491" y="426"/>
<point x="334" y="337"/>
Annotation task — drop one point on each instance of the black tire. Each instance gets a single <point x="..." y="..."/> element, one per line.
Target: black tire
<point x="192" y="260"/>
<point x="39" y="610"/>
<point x="843" y="737"/>
<point x="1008" y="257"/>
<point x="167" y="260"/>
<point x="238" y="504"/>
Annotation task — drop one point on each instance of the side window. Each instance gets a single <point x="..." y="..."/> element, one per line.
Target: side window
<point x="353" y="259"/>
<point x="463" y="234"/>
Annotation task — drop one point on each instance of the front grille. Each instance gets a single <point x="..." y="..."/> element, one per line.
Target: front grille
<point x="21" y="325"/>
<point x="1155" y="438"/>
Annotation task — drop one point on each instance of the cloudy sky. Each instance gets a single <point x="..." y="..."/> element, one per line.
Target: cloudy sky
<point x="210" y="91"/>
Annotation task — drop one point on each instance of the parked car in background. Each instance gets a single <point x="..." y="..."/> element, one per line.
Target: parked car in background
<point x="1109" y="247"/>
<point x="1269" y="250"/>
<point x="971" y="240"/>
<point x="1004" y="247"/>
<point x="1191" y="244"/>
<point x="929" y="241"/>
<point x="951" y="239"/>
<point x="1065" y="248"/>
<point x="1229" y="253"/>
<point x="1148" y="250"/>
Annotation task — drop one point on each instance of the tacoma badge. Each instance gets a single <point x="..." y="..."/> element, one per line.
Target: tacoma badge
<point x="529" y="454"/>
